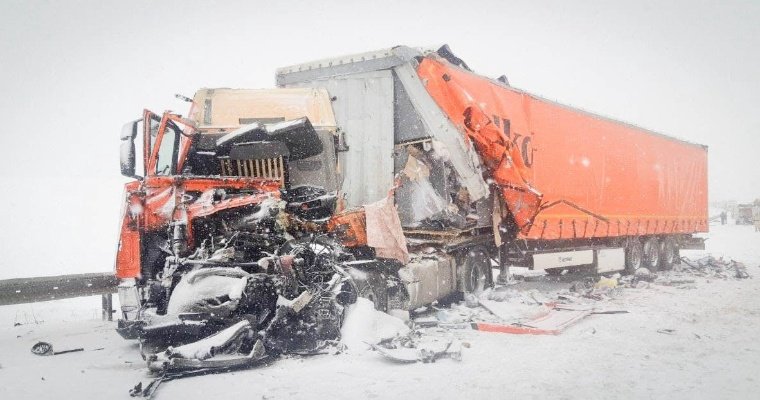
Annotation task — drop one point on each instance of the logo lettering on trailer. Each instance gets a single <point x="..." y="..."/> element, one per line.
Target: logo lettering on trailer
<point x="525" y="145"/>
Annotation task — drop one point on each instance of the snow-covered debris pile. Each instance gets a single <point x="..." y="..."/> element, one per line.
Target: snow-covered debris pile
<point x="711" y="267"/>
<point x="364" y="326"/>
<point x="231" y="347"/>
<point x="536" y="307"/>
<point x="417" y="346"/>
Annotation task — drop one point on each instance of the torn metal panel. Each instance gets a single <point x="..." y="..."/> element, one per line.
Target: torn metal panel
<point x="461" y="154"/>
<point x="408" y="349"/>
<point x="414" y="113"/>
<point x="347" y="65"/>
<point x="364" y="110"/>
<point x="429" y="193"/>
<point x="408" y="125"/>
<point x="416" y="197"/>
<point x="316" y="170"/>
<point x="418" y="201"/>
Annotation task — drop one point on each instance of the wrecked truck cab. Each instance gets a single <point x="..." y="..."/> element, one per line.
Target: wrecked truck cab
<point x="254" y="208"/>
<point x="251" y="171"/>
<point x="227" y="226"/>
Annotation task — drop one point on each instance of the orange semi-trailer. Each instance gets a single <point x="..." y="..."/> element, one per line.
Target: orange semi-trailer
<point x="565" y="188"/>
<point x="596" y="178"/>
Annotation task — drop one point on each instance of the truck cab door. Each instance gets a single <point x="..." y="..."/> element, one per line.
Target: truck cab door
<point x="162" y="149"/>
<point x="128" y="251"/>
<point x="168" y="144"/>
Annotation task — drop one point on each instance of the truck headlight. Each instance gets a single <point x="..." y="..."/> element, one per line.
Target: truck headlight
<point x="129" y="299"/>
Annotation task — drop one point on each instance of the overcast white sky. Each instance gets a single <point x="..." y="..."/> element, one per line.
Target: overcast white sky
<point x="72" y="72"/>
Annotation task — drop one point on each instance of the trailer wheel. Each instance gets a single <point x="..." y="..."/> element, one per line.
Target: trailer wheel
<point x="633" y="255"/>
<point x="651" y="256"/>
<point x="476" y="274"/>
<point x="668" y="253"/>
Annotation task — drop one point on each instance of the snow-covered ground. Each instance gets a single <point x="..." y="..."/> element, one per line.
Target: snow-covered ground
<point x="713" y="351"/>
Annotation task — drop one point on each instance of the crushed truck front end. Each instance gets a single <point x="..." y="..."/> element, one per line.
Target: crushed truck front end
<point x="223" y="231"/>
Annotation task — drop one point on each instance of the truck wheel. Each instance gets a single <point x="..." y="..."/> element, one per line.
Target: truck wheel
<point x="368" y="291"/>
<point x="651" y="256"/>
<point x="668" y="253"/>
<point x="633" y="255"/>
<point x="476" y="274"/>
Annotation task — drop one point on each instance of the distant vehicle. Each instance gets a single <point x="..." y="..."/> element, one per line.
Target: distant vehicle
<point x="744" y="214"/>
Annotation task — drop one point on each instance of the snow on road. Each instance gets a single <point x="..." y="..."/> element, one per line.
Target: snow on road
<point x="712" y="351"/>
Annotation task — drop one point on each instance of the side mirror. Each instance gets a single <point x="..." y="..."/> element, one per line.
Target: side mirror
<point x="127" y="150"/>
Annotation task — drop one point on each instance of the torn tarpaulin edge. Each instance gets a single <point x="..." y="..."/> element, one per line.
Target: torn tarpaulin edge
<point x="384" y="232"/>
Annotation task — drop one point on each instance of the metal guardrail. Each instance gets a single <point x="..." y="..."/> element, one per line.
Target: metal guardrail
<point x="46" y="288"/>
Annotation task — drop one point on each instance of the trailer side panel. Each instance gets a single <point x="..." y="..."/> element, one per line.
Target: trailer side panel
<point x="598" y="177"/>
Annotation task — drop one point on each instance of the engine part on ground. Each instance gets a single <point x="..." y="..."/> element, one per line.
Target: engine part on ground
<point x="46" y="349"/>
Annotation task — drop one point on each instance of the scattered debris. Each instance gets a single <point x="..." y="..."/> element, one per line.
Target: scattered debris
<point x="674" y="281"/>
<point x="644" y="274"/>
<point x="231" y="344"/>
<point x="609" y="283"/>
<point x="428" y="333"/>
<point x="415" y="347"/>
<point x="507" y="309"/>
<point x="46" y="349"/>
<point x="711" y="267"/>
<point x="642" y="285"/>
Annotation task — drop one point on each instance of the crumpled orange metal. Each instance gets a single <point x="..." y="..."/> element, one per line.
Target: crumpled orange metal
<point x="566" y="173"/>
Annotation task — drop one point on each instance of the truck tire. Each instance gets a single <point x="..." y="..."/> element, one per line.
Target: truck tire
<point x="476" y="271"/>
<point x="372" y="293"/>
<point x="634" y="254"/>
<point x="651" y="253"/>
<point x="668" y="253"/>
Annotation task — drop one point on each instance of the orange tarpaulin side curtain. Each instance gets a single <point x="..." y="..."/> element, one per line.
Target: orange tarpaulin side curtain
<point x="497" y="153"/>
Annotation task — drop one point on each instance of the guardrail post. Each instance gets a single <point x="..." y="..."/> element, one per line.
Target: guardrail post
<point x="107" y="301"/>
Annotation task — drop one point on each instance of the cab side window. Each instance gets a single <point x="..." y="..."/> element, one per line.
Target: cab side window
<point x="166" y="159"/>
